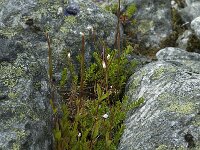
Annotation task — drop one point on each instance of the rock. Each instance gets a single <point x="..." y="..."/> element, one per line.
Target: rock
<point x="183" y="39"/>
<point x="195" y="24"/>
<point x="170" y="116"/>
<point x="25" y="112"/>
<point x="189" y="9"/>
<point x="189" y="39"/>
<point x="153" y="22"/>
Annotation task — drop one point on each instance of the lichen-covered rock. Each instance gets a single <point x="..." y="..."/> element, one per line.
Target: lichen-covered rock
<point x="149" y="24"/>
<point x="195" y="25"/>
<point x="183" y="40"/>
<point x="170" y="116"/>
<point x="188" y="9"/>
<point x="153" y="22"/>
<point x="25" y="113"/>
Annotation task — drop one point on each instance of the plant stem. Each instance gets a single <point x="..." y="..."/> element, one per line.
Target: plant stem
<point x="118" y="37"/>
<point x="82" y="67"/>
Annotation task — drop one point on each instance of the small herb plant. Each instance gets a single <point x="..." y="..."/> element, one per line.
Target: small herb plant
<point x="92" y="112"/>
<point x="94" y="120"/>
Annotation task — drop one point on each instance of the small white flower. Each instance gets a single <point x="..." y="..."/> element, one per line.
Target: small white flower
<point x="111" y="87"/>
<point x="89" y="10"/>
<point x="81" y="33"/>
<point x="104" y="64"/>
<point x="79" y="134"/>
<point x="90" y="28"/>
<point x="60" y="11"/>
<point x="69" y="55"/>
<point x="105" y="116"/>
<point x="108" y="56"/>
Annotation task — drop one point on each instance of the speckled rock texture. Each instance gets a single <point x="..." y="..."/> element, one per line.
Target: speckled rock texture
<point x="25" y="113"/>
<point x="153" y="21"/>
<point x="195" y="24"/>
<point x="188" y="9"/>
<point x="170" y="116"/>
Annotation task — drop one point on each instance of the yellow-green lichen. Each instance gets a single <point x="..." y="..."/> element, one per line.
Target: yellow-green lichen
<point x="9" y="32"/>
<point x="196" y="122"/>
<point x="162" y="147"/>
<point x="16" y="146"/>
<point x="12" y="95"/>
<point x="145" y="26"/>
<point x="183" y="108"/>
<point x="135" y="82"/>
<point x="10" y="74"/>
<point x="159" y="72"/>
<point x="70" y="21"/>
<point x="20" y="136"/>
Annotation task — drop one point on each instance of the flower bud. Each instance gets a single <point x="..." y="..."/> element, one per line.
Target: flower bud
<point x="104" y="64"/>
<point x="68" y="55"/>
<point x="105" y="116"/>
<point x="60" y="11"/>
<point x="108" y="56"/>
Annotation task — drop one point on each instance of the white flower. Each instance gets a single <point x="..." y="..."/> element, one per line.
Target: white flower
<point x="105" y="116"/>
<point x="60" y="11"/>
<point x="79" y="134"/>
<point x="68" y="55"/>
<point x="111" y="87"/>
<point x="90" y="28"/>
<point x="108" y="56"/>
<point x="104" y="64"/>
<point x="89" y="10"/>
<point x="81" y="33"/>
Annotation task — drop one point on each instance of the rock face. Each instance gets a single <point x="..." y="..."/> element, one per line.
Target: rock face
<point x="189" y="9"/>
<point x="195" y="24"/>
<point x="25" y="113"/>
<point x="170" y="115"/>
<point x="153" y="22"/>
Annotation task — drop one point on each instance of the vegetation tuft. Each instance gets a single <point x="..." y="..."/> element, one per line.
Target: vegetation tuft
<point x="92" y="111"/>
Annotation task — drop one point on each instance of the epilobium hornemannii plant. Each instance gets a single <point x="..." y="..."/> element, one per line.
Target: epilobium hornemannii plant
<point x="94" y="120"/>
<point x="94" y="108"/>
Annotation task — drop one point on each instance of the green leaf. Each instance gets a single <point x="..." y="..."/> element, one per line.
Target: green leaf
<point x="63" y="77"/>
<point x="58" y="135"/>
<point x="99" y="92"/>
<point x="96" y="129"/>
<point x="108" y="141"/>
<point x="104" y="96"/>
